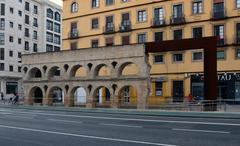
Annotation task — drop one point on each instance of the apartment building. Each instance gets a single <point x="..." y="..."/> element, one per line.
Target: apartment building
<point x="27" y="26"/>
<point x="96" y="23"/>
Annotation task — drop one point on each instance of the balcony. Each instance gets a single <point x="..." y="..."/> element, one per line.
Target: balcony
<point x="156" y="22"/>
<point x="218" y="15"/>
<point x="178" y="20"/>
<point x="73" y="34"/>
<point x="125" y="26"/>
<point x="109" y="29"/>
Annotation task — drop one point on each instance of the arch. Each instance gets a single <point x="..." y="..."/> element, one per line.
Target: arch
<point x="128" y="69"/>
<point x="102" y="96"/>
<point x="36" y="94"/>
<point x="54" y="72"/>
<point x="79" y="95"/>
<point x="127" y="96"/>
<point x="102" y="70"/>
<point x="25" y="69"/>
<point x="78" y="71"/>
<point x="56" y="95"/>
<point x="35" y="73"/>
<point x="74" y="7"/>
<point x="50" y="13"/>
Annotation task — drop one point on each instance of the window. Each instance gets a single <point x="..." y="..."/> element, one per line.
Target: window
<point x="178" y="57"/>
<point x="10" y="68"/>
<point x="196" y="56"/>
<point x="49" y="48"/>
<point x="35" y="9"/>
<point x="177" y="11"/>
<point x="10" y="53"/>
<point x="27" y="7"/>
<point x="238" y="33"/>
<point x="11" y="10"/>
<point x="158" y="36"/>
<point x="26" y="19"/>
<point x="109" y="2"/>
<point x="1" y="66"/>
<point x="20" y="1"/>
<point x="141" y="38"/>
<point x="2" y="54"/>
<point x="142" y="16"/>
<point x="57" y="39"/>
<point x="49" y="13"/>
<point x="56" y="49"/>
<point x="109" y="23"/>
<point x="20" y="13"/>
<point x="2" y="9"/>
<point x="74" y="7"/>
<point x="57" y="16"/>
<point x="10" y="38"/>
<point x="177" y="34"/>
<point x="19" y="41"/>
<point x="74" y="29"/>
<point x="49" y="25"/>
<point x="73" y="46"/>
<point x="125" y="40"/>
<point x="197" y="7"/>
<point x="2" y="24"/>
<point x="109" y="41"/>
<point x="11" y="24"/>
<point x="237" y="3"/>
<point x="57" y="28"/>
<point x="26" y="46"/>
<point x="219" y="32"/>
<point x="35" y="47"/>
<point x="220" y="54"/>
<point x="19" y="69"/>
<point x="49" y="37"/>
<point x="26" y="34"/>
<point x="158" y="88"/>
<point x="238" y="53"/>
<point x="19" y="55"/>
<point x="158" y="17"/>
<point x="126" y="20"/>
<point x="94" y="23"/>
<point x="197" y="32"/>
<point x="35" y="35"/>
<point x="94" y="43"/>
<point x="35" y="22"/>
<point x="158" y="58"/>
<point x="218" y="9"/>
<point x="95" y="3"/>
<point x="2" y="39"/>
<point x="19" y="27"/>
<point x="11" y="87"/>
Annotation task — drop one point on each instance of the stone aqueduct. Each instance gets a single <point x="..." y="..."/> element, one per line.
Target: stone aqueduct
<point x="46" y="71"/>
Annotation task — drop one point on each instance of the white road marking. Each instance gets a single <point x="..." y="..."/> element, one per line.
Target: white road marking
<point x="117" y="125"/>
<point x="131" y="119"/>
<point x="66" y="121"/>
<point x="206" y="131"/>
<point x="84" y="136"/>
<point x="19" y="117"/>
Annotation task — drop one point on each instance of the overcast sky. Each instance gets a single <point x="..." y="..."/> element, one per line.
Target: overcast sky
<point x="57" y="1"/>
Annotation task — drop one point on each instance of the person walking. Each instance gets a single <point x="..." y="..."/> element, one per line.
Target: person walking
<point x="16" y="98"/>
<point x="2" y="97"/>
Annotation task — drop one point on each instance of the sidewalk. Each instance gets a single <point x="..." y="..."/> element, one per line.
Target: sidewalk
<point x="147" y="112"/>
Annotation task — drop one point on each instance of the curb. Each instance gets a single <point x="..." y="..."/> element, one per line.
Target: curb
<point x="228" y="115"/>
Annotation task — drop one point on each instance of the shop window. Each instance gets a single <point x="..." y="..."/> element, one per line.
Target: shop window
<point x="11" y="87"/>
<point x="158" y="88"/>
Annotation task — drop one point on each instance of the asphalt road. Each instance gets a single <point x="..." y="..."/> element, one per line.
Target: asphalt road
<point x="22" y="127"/>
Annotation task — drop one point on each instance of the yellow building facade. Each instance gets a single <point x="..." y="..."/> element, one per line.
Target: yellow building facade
<point x="96" y="23"/>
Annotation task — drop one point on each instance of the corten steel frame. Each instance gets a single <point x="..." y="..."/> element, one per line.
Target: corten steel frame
<point x="209" y="44"/>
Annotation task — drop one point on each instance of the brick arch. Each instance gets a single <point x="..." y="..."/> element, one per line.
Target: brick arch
<point x="102" y="96"/>
<point x="75" y="68"/>
<point x="35" y="94"/>
<point x="51" y="71"/>
<point x="127" y="65"/>
<point x="35" y="72"/>
<point x="128" y="95"/>
<point x="98" y="68"/>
